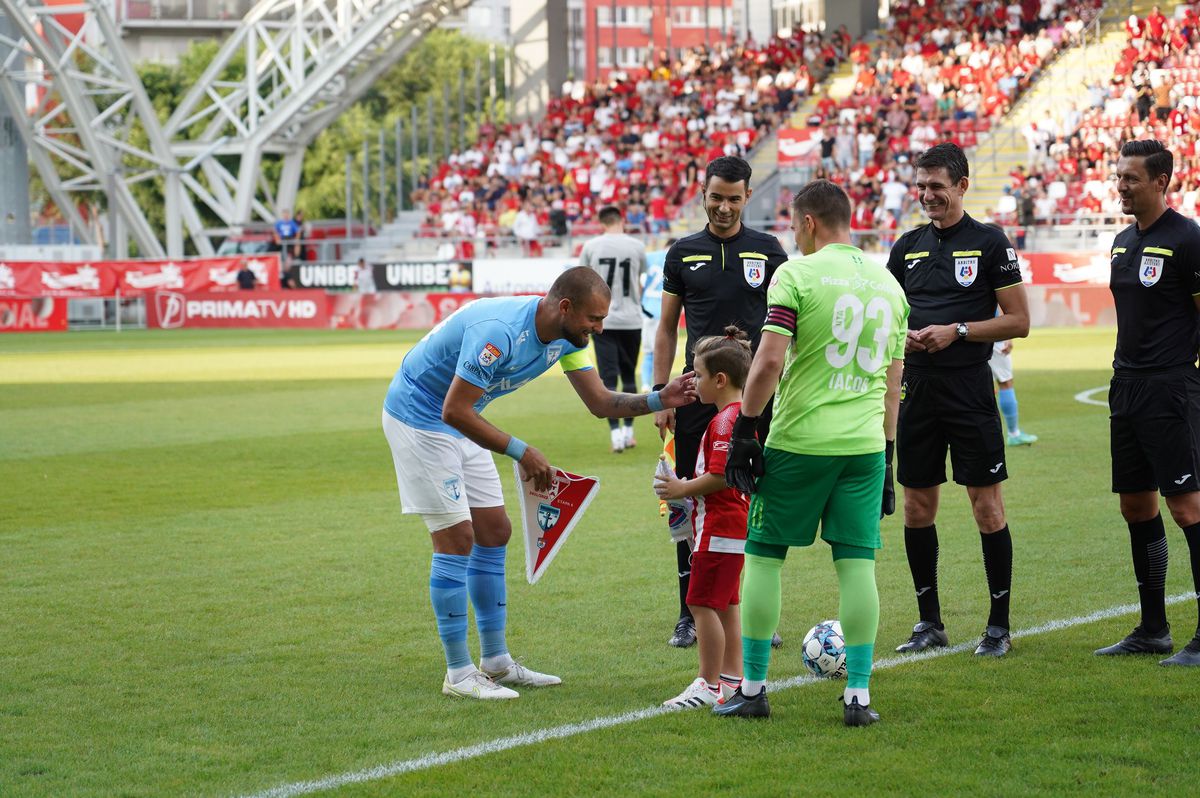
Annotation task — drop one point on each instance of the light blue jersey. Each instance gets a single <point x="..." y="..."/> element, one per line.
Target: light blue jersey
<point x="652" y="283"/>
<point x="490" y="343"/>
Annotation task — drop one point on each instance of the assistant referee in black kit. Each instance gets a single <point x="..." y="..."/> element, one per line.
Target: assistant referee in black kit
<point x="1154" y="398"/>
<point x="718" y="277"/>
<point x="954" y="271"/>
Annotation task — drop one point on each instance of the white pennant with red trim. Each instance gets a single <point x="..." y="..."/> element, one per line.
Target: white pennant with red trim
<point x="548" y="517"/>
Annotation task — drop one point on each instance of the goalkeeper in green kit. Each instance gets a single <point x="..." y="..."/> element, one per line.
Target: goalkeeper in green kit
<point x="833" y="343"/>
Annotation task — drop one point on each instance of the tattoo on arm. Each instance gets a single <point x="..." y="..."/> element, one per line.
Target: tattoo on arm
<point x="628" y="404"/>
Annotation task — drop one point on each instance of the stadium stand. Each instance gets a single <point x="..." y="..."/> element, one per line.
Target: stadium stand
<point x="936" y="74"/>
<point x="1152" y="94"/>
<point x="638" y="139"/>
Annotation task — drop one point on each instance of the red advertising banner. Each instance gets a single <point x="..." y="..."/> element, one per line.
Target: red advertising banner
<point x="1066" y="268"/>
<point x="132" y="277"/>
<point x="799" y="147"/>
<point x="171" y="310"/>
<point x="42" y="314"/>
<point x="393" y="310"/>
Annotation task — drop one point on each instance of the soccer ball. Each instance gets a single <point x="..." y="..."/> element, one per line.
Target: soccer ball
<point x="824" y="650"/>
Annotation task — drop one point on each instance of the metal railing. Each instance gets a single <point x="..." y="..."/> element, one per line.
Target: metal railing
<point x="170" y="11"/>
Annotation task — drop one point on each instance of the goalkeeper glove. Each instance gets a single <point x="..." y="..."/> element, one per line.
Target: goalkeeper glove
<point x="744" y="465"/>
<point x="889" y="487"/>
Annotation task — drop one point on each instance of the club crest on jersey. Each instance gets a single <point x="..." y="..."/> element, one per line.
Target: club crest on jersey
<point x="547" y="517"/>
<point x="755" y="271"/>
<point x="488" y="355"/>
<point x="1150" y="270"/>
<point x="453" y="488"/>
<point x="966" y="270"/>
<point x="553" y="352"/>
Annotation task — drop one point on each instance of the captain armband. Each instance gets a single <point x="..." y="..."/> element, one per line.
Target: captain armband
<point x="781" y="317"/>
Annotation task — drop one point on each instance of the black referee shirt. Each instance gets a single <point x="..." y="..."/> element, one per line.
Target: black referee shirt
<point x="949" y="276"/>
<point x="1155" y="275"/>
<point x="722" y="281"/>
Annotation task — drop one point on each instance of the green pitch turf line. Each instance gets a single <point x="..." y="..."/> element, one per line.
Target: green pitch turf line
<point x="1086" y="396"/>
<point x="572" y="729"/>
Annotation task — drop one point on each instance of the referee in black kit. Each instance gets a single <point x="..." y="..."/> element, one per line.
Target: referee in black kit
<point x="1154" y="398"/>
<point x="718" y="277"/>
<point x="954" y="271"/>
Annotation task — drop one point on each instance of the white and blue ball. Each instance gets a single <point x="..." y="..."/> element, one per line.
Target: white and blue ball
<point x="824" y="650"/>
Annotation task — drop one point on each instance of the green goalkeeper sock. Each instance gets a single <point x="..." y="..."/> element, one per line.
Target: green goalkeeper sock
<point x="760" y="613"/>
<point x="858" y="610"/>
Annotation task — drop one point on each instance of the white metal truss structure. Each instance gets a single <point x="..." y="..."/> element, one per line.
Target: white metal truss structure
<point x="289" y="69"/>
<point x="92" y="127"/>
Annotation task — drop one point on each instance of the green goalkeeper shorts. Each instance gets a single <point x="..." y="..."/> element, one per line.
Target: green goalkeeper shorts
<point x="843" y="494"/>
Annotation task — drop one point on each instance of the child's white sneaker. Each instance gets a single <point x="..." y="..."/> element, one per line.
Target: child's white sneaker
<point x="698" y="694"/>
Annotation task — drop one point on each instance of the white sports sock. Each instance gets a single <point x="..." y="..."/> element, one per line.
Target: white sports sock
<point x="751" y="688"/>
<point x="456" y="675"/>
<point x="861" y="693"/>
<point x="618" y="440"/>
<point x="500" y="662"/>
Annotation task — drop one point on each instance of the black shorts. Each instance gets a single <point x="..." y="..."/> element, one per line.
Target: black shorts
<point x="1154" y="426"/>
<point x="617" y="356"/>
<point x="690" y="423"/>
<point x="955" y="409"/>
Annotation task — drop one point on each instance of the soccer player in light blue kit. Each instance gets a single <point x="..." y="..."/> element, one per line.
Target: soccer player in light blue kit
<point x="440" y="447"/>
<point x="651" y="309"/>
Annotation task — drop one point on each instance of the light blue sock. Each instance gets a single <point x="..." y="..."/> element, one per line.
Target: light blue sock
<point x="647" y="369"/>
<point x="485" y="584"/>
<point x="448" y="594"/>
<point x="1008" y="408"/>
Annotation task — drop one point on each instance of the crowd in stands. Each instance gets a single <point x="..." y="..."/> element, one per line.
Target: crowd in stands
<point x="641" y="139"/>
<point x="940" y="71"/>
<point x="638" y="139"/>
<point x="1153" y="93"/>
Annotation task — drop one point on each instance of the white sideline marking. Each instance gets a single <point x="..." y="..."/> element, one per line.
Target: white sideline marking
<point x="1086" y="396"/>
<point x="571" y="729"/>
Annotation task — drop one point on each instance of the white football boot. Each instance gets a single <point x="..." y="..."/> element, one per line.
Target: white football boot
<point x="477" y="685"/>
<point x="518" y="674"/>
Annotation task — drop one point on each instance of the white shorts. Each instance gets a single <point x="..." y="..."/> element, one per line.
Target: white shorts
<point x="439" y="474"/>
<point x="1001" y="365"/>
<point x="649" y="330"/>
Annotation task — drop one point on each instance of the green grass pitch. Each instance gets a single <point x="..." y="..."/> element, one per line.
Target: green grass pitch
<point x="207" y="589"/>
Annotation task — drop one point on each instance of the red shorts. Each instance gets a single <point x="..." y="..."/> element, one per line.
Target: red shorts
<point x="715" y="579"/>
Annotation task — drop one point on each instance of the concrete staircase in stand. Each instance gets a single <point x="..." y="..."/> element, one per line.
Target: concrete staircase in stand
<point x="1065" y="81"/>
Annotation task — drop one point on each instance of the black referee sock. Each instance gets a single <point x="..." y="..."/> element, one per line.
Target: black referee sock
<point x="1148" y="542"/>
<point x="997" y="564"/>
<point x="1192" y="533"/>
<point x="683" y="558"/>
<point x="921" y="546"/>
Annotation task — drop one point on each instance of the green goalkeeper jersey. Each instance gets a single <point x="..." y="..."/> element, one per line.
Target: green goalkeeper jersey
<point x="847" y="318"/>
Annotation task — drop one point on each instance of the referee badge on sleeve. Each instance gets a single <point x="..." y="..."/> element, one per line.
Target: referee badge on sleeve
<point x="755" y="271"/>
<point x="965" y="270"/>
<point x="1150" y="270"/>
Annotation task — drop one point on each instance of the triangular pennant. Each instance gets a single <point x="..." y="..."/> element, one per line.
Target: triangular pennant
<point x="548" y="517"/>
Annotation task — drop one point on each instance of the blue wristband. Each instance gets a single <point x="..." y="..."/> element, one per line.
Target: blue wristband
<point x="516" y="448"/>
<point x="654" y="401"/>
